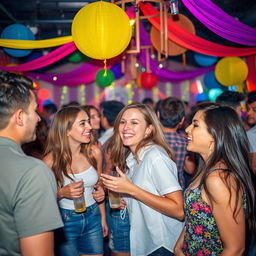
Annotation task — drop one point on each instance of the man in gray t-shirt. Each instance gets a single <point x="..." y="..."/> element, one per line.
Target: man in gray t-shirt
<point x="28" y="207"/>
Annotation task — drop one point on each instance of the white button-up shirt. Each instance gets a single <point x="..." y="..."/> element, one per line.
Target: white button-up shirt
<point x="150" y="229"/>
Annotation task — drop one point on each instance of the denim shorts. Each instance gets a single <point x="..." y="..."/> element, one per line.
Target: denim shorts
<point x="119" y="227"/>
<point x="82" y="231"/>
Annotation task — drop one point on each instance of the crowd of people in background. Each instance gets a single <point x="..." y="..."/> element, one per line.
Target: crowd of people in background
<point x="186" y="175"/>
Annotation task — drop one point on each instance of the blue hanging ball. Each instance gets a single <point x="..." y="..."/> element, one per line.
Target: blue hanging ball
<point x="205" y="60"/>
<point x="17" y="32"/>
<point x="210" y="81"/>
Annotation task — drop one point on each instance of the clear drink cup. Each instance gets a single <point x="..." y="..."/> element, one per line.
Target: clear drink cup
<point x="79" y="203"/>
<point x="114" y="197"/>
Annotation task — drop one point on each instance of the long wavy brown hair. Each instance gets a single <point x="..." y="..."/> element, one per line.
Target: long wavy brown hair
<point x="57" y="143"/>
<point x="119" y="152"/>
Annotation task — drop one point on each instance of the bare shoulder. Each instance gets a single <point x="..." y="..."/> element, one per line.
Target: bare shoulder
<point x="48" y="159"/>
<point x="96" y="151"/>
<point x="220" y="185"/>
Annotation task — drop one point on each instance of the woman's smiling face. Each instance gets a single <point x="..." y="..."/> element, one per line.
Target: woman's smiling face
<point x="133" y="128"/>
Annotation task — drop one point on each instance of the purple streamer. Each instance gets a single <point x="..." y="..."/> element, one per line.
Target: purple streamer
<point x="221" y="23"/>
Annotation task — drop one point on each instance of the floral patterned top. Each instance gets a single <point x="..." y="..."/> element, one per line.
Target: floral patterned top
<point x="202" y="237"/>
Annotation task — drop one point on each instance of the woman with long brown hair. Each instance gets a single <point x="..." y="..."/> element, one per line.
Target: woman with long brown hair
<point x="154" y="198"/>
<point x="70" y="155"/>
<point x="220" y="201"/>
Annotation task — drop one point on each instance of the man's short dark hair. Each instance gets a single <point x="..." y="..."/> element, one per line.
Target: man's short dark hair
<point x="230" y="98"/>
<point x="15" y="93"/>
<point x="251" y="97"/>
<point x="110" y="109"/>
<point x="171" y="111"/>
<point x="147" y="101"/>
<point x="50" y="108"/>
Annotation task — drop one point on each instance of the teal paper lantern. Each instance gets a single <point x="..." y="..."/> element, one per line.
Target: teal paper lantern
<point x="106" y="80"/>
<point x="214" y="93"/>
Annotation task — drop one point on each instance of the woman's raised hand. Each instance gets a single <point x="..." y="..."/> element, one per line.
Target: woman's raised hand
<point x="119" y="184"/>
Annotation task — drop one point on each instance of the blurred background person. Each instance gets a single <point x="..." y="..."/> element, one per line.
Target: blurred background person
<point x="171" y="113"/>
<point x="232" y="99"/>
<point x="94" y="121"/>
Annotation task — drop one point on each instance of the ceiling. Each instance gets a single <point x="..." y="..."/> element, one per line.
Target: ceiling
<point x="53" y="18"/>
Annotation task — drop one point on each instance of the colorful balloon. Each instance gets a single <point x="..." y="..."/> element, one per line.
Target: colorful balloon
<point x="231" y="71"/>
<point x="210" y="81"/>
<point x="148" y="80"/>
<point x="106" y="80"/>
<point x="204" y="60"/>
<point x="101" y="30"/>
<point x="17" y="32"/>
<point x="214" y="93"/>
<point x="173" y="48"/>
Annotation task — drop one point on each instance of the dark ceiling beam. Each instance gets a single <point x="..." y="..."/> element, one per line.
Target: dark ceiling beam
<point x="9" y="15"/>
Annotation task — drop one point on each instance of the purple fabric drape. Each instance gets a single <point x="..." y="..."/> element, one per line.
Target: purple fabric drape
<point x="163" y="73"/>
<point x="221" y="23"/>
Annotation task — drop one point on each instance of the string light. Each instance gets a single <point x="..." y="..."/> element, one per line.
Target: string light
<point x="168" y="89"/>
<point x="64" y="94"/>
<point x="82" y="93"/>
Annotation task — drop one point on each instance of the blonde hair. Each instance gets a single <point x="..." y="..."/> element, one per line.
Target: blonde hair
<point x="58" y="145"/>
<point x="119" y="152"/>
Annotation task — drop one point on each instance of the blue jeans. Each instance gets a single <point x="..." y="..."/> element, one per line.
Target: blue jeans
<point x="82" y="231"/>
<point x="119" y="229"/>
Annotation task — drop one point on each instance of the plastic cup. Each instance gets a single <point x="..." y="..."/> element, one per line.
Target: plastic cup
<point x="79" y="203"/>
<point x="114" y="197"/>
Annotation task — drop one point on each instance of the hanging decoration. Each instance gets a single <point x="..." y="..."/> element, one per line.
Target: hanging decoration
<point x="173" y="48"/>
<point x="18" y="32"/>
<point x="231" y="71"/>
<point x="97" y="34"/>
<point x="148" y="80"/>
<point x="105" y="80"/>
<point x="174" y="7"/>
<point x="251" y="79"/>
<point x="205" y="60"/>
<point x="221" y="23"/>
<point x="195" y="43"/>
<point x="214" y="93"/>
<point x="210" y="81"/>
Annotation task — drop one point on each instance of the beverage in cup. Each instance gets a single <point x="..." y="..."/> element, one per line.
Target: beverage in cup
<point x="114" y="197"/>
<point x="79" y="203"/>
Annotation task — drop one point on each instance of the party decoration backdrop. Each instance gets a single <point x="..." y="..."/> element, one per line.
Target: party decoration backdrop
<point x="97" y="34"/>
<point x="19" y="32"/>
<point x="231" y="71"/>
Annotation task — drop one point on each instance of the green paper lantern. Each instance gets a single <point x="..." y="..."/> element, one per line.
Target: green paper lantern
<point x="106" y="80"/>
<point x="75" y="57"/>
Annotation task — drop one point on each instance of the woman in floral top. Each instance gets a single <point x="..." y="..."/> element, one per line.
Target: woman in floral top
<point x="221" y="196"/>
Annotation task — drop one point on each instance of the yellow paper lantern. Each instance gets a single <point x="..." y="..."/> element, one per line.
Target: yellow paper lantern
<point x="101" y="30"/>
<point x="231" y="71"/>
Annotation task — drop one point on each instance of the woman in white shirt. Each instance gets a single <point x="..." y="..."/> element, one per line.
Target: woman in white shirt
<point x="71" y="156"/>
<point x="153" y="193"/>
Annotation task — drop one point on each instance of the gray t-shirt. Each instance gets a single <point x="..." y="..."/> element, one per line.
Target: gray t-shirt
<point x="28" y="204"/>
